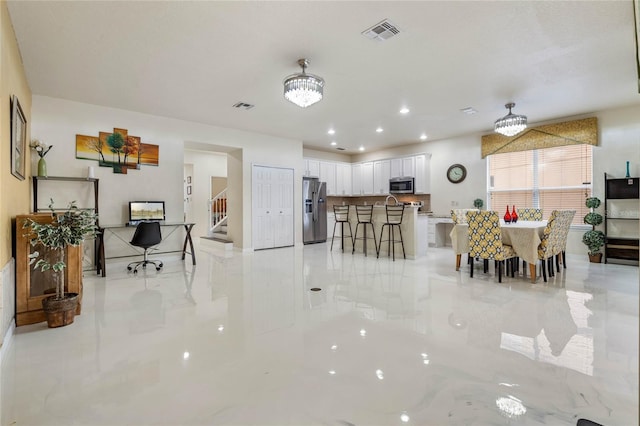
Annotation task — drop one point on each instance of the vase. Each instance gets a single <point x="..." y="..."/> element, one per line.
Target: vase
<point x="628" y="175"/>
<point x="514" y="215"/>
<point x="507" y="216"/>
<point x="42" y="167"/>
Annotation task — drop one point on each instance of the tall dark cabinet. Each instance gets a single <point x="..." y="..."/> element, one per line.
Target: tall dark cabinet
<point x="622" y="219"/>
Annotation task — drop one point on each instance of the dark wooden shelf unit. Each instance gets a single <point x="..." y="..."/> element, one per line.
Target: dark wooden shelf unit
<point x="617" y="247"/>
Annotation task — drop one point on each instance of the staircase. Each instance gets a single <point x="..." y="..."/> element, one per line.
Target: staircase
<point x="217" y="233"/>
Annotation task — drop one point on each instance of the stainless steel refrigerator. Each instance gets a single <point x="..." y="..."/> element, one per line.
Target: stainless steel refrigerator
<point x="314" y="194"/>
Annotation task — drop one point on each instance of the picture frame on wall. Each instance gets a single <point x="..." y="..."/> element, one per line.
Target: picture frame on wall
<point x="189" y="190"/>
<point x="18" y="139"/>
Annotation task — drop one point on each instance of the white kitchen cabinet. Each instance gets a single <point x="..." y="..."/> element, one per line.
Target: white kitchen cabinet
<point x="343" y="179"/>
<point x="356" y="179"/>
<point x="367" y="178"/>
<point x="328" y="175"/>
<point x="409" y="166"/>
<point x="403" y="167"/>
<point x="396" y="167"/>
<point x="381" y="175"/>
<point x="311" y="167"/>
<point x="422" y="174"/>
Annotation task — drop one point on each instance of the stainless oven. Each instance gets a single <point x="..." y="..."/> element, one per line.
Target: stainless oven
<point x="401" y="185"/>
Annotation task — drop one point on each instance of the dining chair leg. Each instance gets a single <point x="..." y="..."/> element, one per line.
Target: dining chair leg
<point x="558" y="262"/>
<point x="564" y="259"/>
<point x="471" y="266"/>
<point x="543" y="266"/>
<point x="550" y="267"/>
<point x="499" y="271"/>
<point x="486" y="265"/>
<point x="514" y="266"/>
<point x="458" y="257"/>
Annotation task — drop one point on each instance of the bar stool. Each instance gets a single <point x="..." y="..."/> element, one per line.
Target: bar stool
<point x="342" y="217"/>
<point x="364" y="214"/>
<point x="394" y="219"/>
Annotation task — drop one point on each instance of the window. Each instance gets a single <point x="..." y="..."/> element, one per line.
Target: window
<point x="556" y="178"/>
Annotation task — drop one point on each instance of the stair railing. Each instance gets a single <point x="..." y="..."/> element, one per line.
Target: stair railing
<point x="217" y="211"/>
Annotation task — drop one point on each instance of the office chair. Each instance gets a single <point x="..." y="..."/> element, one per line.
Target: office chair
<point x="146" y="236"/>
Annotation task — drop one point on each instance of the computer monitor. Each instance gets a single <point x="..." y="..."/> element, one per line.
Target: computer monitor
<point x="146" y="210"/>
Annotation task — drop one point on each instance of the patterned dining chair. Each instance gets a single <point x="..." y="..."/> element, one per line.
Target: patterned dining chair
<point x="485" y="240"/>
<point x="459" y="216"/>
<point x="530" y="214"/>
<point x="566" y="218"/>
<point x="550" y="244"/>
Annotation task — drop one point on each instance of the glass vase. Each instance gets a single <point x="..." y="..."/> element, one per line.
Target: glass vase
<point x="514" y="215"/>
<point x="507" y="216"/>
<point x="42" y="167"/>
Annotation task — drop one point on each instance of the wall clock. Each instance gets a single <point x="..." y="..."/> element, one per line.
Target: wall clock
<point x="456" y="173"/>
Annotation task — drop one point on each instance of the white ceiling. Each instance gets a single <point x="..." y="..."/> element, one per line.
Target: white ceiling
<point x="194" y="60"/>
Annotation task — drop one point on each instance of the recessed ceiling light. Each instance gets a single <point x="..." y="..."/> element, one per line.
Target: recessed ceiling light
<point x="334" y="143"/>
<point x="404" y="110"/>
<point x="331" y="132"/>
<point x="469" y="111"/>
<point x="379" y="130"/>
<point x="423" y="137"/>
<point x="361" y="148"/>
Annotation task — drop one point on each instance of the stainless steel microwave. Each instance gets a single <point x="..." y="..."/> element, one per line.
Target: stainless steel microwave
<point x="401" y="185"/>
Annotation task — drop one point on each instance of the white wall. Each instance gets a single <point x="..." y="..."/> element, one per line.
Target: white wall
<point x="57" y="121"/>
<point x="203" y="165"/>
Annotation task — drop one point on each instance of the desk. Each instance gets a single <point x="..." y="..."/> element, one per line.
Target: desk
<point x="524" y="236"/>
<point x="100" y="255"/>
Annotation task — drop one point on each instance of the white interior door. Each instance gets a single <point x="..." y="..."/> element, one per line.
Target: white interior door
<point x="272" y="207"/>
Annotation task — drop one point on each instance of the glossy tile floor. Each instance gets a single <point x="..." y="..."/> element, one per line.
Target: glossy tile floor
<point x="240" y="339"/>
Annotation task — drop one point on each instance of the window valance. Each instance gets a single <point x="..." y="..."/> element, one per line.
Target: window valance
<point x="574" y="132"/>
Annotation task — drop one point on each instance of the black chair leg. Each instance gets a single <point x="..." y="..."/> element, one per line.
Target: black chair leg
<point x="564" y="260"/>
<point x="402" y="242"/>
<point x="550" y="267"/>
<point x="500" y="271"/>
<point x="558" y="262"/>
<point x="471" y="266"/>
<point x="486" y="265"/>
<point x="334" y="234"/>
<point x="543" y="266"/>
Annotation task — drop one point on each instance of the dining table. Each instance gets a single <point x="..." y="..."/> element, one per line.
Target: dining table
<point x="524" y="236"/>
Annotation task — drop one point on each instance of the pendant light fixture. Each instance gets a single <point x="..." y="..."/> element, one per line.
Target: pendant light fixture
<point x="303" y="89"/>
<point x="511" y="124"/>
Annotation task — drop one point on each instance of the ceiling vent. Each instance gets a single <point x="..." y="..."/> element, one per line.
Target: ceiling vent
<point x="340" y="149"/>
<point x="243" y="105"/>
<point x="381" y="31"/>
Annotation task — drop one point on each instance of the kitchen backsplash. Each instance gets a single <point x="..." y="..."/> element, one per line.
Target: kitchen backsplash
<point x="380" y="199"/>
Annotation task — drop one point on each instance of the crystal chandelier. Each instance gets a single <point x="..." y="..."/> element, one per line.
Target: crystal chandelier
<point x="510" y="124"/>
<point x="303" y="89"/>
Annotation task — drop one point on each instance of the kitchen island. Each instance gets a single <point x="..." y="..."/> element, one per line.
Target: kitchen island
<point x="413" y="227"/>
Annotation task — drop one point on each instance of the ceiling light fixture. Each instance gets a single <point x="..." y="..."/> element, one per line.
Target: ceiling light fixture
<point x="334" y="143"/>
<point x="423" y="137"/>
<point x="361" y="148"/>
<point x="510" y="124"/>
<point x="331" y="132"/>
<point x="404" y="110"/>
<point x="303" y="89"/>
<point x="379" y="130"/>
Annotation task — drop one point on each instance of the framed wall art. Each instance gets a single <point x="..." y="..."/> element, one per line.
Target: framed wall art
<point x="18" y="139"/>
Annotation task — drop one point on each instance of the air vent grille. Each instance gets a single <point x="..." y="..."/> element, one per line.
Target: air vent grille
<point x="340" y="149"/>
<point x="381" y="31"/>
<point x="243" y="105"/>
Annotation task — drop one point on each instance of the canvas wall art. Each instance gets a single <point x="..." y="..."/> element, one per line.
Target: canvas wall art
<point x="118" y="150"/>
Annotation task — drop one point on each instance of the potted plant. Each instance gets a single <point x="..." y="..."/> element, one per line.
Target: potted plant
<point x="478" y="203"/>
<point x="68" y="228"/>
<point x="593" y="239"/>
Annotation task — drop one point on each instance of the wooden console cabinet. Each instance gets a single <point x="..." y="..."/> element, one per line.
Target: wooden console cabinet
<point x="32" y="285"/>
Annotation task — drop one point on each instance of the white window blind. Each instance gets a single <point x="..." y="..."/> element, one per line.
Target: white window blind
<point x="556" y="178"/>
